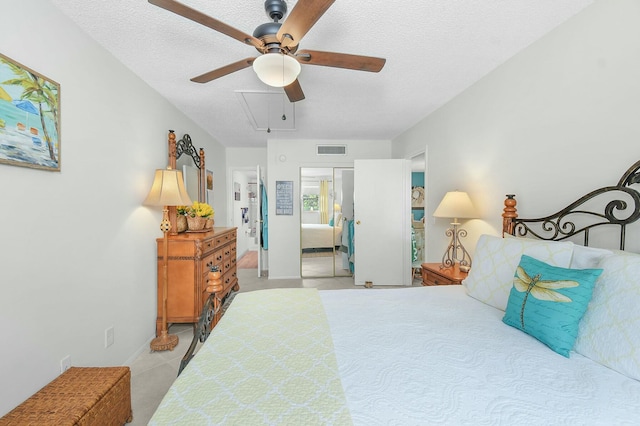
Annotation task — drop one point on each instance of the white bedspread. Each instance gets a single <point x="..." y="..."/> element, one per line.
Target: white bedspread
<point x="420" y="356"/>
<point x="320" y="236"/>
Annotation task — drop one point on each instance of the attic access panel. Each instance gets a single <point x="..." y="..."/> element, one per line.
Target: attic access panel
<point x="265" y="110"/>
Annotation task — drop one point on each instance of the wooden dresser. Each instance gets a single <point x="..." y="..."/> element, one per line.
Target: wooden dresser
<point x="191" y="256"/>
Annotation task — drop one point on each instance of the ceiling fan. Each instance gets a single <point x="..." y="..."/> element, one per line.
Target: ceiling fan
<point x="278" y="43"/>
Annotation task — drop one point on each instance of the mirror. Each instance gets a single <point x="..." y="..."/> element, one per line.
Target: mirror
<point x="321" y="223"/>
<point x="190" y="175"/>
<point x="183" y="156"/>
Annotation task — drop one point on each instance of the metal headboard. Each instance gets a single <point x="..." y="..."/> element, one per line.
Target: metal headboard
<point x="621" y="208"/>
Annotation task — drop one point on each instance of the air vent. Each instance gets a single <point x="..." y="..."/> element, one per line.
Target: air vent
<point x="331" y="149"/>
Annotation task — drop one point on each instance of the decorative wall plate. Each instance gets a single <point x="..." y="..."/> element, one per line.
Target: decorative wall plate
<point x="417" y="196"/>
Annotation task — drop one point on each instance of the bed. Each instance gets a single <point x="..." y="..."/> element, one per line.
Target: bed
<point x="487" y="352"/>
<point x="321" y="236"/>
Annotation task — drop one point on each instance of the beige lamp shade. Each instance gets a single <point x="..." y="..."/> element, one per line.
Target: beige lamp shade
<point x="276" y="69"/>
<point x="457" y="205"/>
<point x="168" y="189"/>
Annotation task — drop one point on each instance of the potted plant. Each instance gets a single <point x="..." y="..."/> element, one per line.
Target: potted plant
<point x="198" y="214"/>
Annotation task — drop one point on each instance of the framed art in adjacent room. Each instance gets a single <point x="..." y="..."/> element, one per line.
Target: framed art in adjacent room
<point x="209" y="186"/>
<point x="29" y="117"/>
<point x="236" y="191"/>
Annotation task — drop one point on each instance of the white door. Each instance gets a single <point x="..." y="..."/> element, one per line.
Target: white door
<point x="382" y="214"/>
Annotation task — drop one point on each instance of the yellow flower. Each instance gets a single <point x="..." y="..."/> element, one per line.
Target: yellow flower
<point x="200" y="209"/>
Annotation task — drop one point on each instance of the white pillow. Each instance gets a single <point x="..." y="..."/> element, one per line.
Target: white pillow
<point x="587" y="257"/>
<point x="496" y="259"/>
<point x="609" y="332"/>
<point x="582" y="257"/>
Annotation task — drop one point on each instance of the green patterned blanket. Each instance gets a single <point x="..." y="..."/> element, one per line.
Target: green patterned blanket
<point x="270" y="360"/>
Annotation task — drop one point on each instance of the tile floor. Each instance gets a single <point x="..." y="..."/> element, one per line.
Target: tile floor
<point x="152" y="373"/>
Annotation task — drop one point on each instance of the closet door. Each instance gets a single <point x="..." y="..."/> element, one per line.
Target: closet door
<point x="382" y="214"/>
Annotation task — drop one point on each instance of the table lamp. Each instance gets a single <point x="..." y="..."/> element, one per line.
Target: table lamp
<point x="456" y="205"/>
<point x="167" y="190"/>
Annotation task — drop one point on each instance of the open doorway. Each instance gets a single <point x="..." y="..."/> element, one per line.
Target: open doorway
<point x="326" y="195"/>
<point x="245" y="214"/>
<point x="418" y="211"/>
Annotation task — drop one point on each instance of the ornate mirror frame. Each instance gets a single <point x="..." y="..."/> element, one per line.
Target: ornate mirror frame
<point x="178" y="148"/>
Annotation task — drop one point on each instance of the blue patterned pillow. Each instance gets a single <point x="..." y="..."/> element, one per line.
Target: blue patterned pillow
<point x="547" y="302"/>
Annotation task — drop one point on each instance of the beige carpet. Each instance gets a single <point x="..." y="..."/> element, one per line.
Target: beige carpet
<point x="318" y="254"/>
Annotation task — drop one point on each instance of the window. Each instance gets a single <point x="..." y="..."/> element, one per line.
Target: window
<point x="310" y="202"/>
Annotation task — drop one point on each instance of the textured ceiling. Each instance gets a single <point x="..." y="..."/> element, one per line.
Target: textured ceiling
<point x="435" y="49"/>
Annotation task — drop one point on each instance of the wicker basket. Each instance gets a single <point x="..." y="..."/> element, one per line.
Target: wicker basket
<point x="196" y="223"/>
<point x="181" y="223"/>
<point x="82" y="396"/>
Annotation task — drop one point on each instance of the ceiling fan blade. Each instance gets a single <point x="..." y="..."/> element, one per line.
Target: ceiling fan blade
<point x="302" y="17"/>
<point x="340" y="60"/>
<point x="208" y="21"/>
<point x="221" y="72"/>
<point x="294" y="92"/>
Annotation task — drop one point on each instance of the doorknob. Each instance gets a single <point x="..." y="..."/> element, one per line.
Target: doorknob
<point x="357" y="222"/>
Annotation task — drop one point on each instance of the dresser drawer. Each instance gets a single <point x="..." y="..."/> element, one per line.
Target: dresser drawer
<point x="433" y="274"/>
<point x="429" y="278"/>
<point x="224" y="238"/>
<point x="228" y="253"/>
<point x="229" y="278"/>
<point x="219" y="256"/>
<point x="208" y="262"/>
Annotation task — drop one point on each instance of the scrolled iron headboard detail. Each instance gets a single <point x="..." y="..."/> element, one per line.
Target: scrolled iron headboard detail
<point x="621" y="208"/>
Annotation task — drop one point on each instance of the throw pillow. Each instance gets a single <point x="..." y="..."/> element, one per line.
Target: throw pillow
<point x="495" y="260"/>
<point x="609" y="333"/>
<point x="547" y="302"/>
<point x="587" y="257"/>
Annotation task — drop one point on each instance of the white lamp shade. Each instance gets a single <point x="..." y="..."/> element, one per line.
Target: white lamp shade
<point x="276" y="69"/>
<point x="457" y="205"/>
<point x="168" y="189"/>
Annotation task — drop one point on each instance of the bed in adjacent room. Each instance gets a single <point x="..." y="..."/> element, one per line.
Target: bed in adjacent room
<point x="542" y="332"/>
<point x="321" y="236"/>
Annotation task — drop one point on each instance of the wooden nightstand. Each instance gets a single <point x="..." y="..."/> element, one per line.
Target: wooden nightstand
<point x="433" y="275"/>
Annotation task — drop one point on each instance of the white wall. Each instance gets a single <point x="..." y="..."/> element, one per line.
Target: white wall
<point x="553" y="123"/>
<point x="78" y="250"/>
<point x="285" y="157"/>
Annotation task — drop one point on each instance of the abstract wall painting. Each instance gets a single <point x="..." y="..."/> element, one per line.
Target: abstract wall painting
<point x="29" y="117"/>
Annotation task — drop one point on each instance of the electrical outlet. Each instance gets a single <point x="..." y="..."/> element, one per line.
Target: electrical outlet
<point x="65" y="363"/>
<point x="108" y="337"/>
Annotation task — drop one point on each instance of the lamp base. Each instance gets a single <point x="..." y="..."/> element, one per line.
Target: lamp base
<point x="164" y="342"/>
<point x="456" y="256"/>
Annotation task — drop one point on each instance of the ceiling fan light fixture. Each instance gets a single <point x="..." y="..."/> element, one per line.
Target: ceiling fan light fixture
<point x="276" y="69"/>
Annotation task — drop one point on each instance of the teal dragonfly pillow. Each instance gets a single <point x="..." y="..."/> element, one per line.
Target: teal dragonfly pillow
<point x="547" y="302"/>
